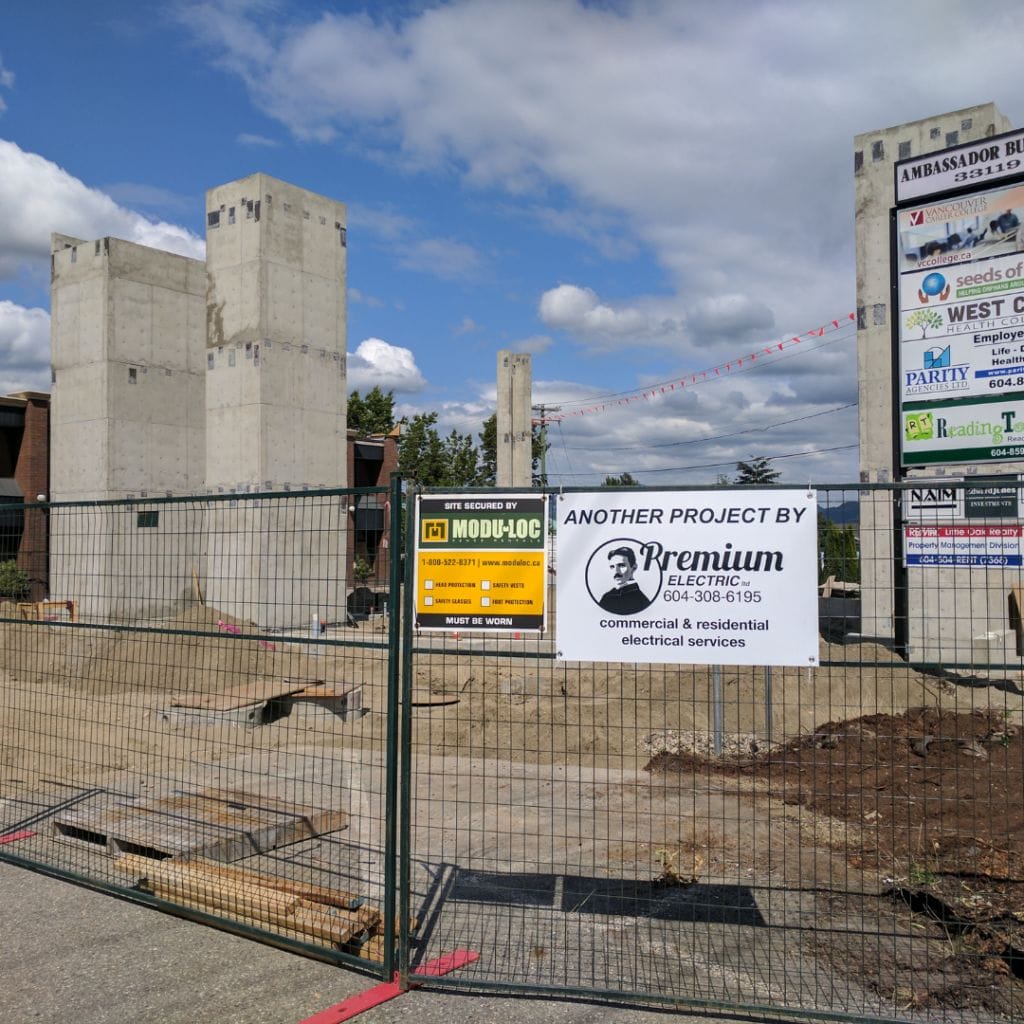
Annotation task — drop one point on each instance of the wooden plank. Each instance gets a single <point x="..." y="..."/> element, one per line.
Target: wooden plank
<point x="271" y="909"/>
<point x="254" y="692"/>
<point x="324" y="691"/>
<point x="222" y="825"/>
<point x="316" y="893"/>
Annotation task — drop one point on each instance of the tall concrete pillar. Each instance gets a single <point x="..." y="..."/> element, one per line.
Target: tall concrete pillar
<point x="276" y="395"/>
<point x="514" y="426"/>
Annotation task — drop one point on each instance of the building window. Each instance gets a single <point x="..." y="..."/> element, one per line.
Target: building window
<point x="231" y="215"/>
<point x="343" y="235"/>
<point x="952" y="138"/>
<point x="209" y="360"/>
<point x="74" y="254"/>
<point x="858" y="161"/>
<point x="323" y="220"/>
<point x="133" y="375"/>
<point x="213" y="219"/>
<point x="966" y="124"/>
<point x="96" y="251"/>
<point x="935" y="133"/>
<point x="862" y="318"/>
<point x="148" y="520"/>
<point x="904" y="150"/>
<point x="877" y="151"/>
<point x="878" y="314"/>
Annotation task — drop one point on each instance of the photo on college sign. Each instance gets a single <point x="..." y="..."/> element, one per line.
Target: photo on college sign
<point x="947" y="232"/>
<point x="696" y="578"/>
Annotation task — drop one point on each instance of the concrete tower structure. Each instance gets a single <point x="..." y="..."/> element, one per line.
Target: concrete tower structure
<point x="514" y="425"/>
<point x="127" y="333"/>
<point x="275" y="337"/>
<point x="173" y="377"/>
<point x="932" y="632"/>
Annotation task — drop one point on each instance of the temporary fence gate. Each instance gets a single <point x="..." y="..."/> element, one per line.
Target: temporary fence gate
<point x="202" y="719"/>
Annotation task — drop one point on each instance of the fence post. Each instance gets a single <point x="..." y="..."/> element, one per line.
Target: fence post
<point x="408" y="549"/>
<point x="391" y="800"/>
<point x="716" y="683"/>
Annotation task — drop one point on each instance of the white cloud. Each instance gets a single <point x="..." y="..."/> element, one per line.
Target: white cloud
<point x="719" y="134"/>
<point x="391" y="367"/>
<point x="534" y="345"/>
<point x="250" y="139"/>
<point x="132" y="193"/>
<point x="698" y="432"/>
<point x="356" y="295"/>
<point x="569" y="307"/>
<point x="728" y="315"/>
<point x="24" y="348"/>
<point x="37" y="197"/>
<point x="6" y="82"/>
<point x="444" y="258"/>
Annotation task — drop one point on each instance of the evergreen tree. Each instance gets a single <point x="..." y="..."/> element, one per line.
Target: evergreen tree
<point x="460" y="458"/>
<point x="757" y="471"/>
<point x="839" y="556"/>
<point x="374" y="414"/>
<point x="488" y="470"/>
<point x="431" y="461"/>
<point x="489" y="451"/>
<point x="625" y="480"/>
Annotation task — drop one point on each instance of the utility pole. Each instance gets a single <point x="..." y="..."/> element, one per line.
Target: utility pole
<point x="541" y="410"/>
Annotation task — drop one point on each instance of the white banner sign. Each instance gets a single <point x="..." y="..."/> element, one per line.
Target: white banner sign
<point x="688" y="577"/>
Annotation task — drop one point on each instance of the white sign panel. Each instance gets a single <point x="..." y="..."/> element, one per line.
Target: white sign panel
<point x="973" y="164"/>
<point x="961" y="328"/>
<point x="934" y="500"/>
<point x="688" y="577"/>
<point x="962" y="545"/>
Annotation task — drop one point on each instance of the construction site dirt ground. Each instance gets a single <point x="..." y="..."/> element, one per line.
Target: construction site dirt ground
<point x="573" y="822"/>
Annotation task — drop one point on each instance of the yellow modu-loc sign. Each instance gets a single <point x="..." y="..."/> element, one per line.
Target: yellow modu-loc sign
<point x="481" y="562"/>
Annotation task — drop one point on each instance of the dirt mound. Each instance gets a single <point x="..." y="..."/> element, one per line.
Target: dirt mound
<point x="935" y="796"/>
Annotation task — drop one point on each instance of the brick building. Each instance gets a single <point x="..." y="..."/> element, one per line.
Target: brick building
<point x="371" y="461"/>
<point x="24" y="476"/>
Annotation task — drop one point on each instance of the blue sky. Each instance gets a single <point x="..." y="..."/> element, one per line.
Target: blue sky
<point x="632" y="192"/>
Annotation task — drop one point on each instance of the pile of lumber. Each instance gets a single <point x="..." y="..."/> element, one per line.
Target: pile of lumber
<point x="308" y="913"/>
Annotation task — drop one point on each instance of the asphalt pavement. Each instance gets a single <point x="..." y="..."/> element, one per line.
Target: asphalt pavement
<point x="70" y="954"/>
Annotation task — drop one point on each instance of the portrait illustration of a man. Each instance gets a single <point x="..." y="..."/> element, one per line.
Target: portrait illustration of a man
<point x="625" y="596"/>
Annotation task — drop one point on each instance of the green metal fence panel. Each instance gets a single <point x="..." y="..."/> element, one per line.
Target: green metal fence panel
<point x="840" y="841"/>
<point x="205" y="711"/>
<point x="198" y="716"/>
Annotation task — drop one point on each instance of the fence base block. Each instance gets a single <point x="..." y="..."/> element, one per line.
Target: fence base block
<point x="387" y="990"/>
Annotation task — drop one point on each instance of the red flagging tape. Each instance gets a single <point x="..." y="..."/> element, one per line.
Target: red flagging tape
<point x="362" y="1001"/>
<point x="13" y="837"/>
